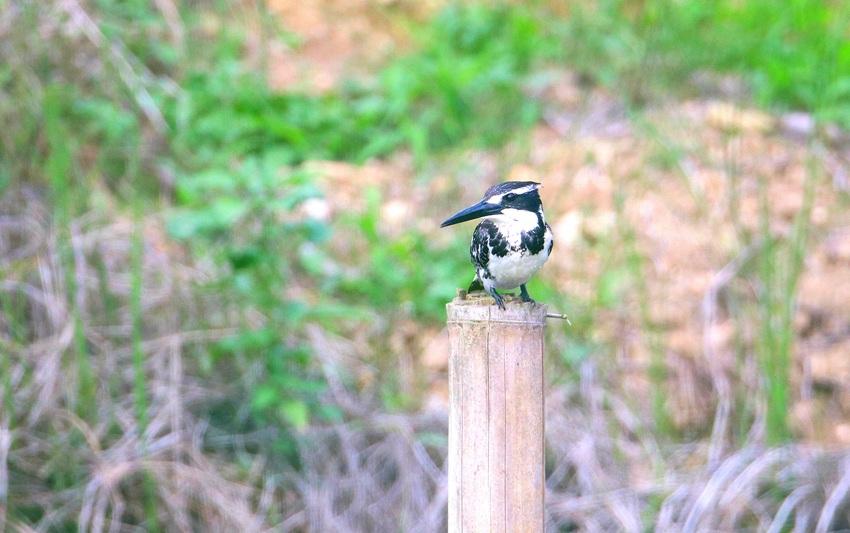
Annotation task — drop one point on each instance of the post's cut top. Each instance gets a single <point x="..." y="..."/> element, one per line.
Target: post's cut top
<point x="480" y="307"/>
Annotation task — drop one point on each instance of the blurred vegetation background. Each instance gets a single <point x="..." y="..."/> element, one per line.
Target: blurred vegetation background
<point x="222" y="281"/>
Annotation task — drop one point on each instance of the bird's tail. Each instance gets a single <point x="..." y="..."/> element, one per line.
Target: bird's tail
<point x="476" y="285"/>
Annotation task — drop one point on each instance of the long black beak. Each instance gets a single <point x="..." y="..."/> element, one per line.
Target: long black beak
<point x="481" y="209"/>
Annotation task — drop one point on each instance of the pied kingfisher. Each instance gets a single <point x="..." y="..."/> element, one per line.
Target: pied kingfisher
<point x="512" y="242"/>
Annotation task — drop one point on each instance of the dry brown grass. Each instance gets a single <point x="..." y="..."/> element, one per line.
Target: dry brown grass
<point x="102" y="461"/>
<point x="376" y="471"/>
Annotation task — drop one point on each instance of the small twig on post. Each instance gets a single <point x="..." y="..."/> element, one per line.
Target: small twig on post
<point x="560" y="316"/>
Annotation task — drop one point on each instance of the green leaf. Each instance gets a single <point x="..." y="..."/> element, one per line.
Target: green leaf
<point x="296" y="413"/>
<point x="611" y="285"/>
<point x="264" y="397"/>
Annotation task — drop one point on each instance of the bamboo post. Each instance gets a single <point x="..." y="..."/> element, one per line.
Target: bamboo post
<point x="496" y="470"/>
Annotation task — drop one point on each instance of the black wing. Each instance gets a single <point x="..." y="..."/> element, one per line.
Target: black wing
<point x="487" y="241"/>
<point x="479" y="252"/>
<point x="534" y="240"/>
<point x="479" y="248"/>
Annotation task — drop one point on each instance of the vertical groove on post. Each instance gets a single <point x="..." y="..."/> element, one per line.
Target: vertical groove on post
<point x="496" y="471"/>
<point x="455" y="458"/>
<point x="497" y="438"/>
<point x="490" y="476"/>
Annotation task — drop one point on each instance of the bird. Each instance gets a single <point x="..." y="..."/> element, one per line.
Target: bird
<point x="511" y="243"/>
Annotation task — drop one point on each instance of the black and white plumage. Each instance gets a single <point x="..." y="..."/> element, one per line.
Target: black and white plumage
<point x="512" y="242"/>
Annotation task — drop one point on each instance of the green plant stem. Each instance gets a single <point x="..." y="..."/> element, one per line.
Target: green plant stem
<point x="60" y="171"/>
<point x="140" y="393"/>
<point x="780" y="268"/>
<point x="657" y="366"/>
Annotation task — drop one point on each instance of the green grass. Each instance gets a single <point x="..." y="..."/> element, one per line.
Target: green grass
<point x="779" y="267"/>
<point x="59" y="169"/>
<point x="10" y="307"/>
<point x="459" y="87"/>
<point x="140" y="383"/>
<point x="797" y="57"/>
<point x="634" y="267"/>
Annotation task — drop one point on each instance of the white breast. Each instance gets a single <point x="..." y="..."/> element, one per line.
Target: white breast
<point x="515" y="268"/>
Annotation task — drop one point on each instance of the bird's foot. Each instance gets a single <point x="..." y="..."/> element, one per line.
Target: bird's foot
<point x="523" y="294"/>
<point x="498" y="297"/>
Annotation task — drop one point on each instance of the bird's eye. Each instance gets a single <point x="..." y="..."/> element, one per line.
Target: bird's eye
<point x="510" y="196"/>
